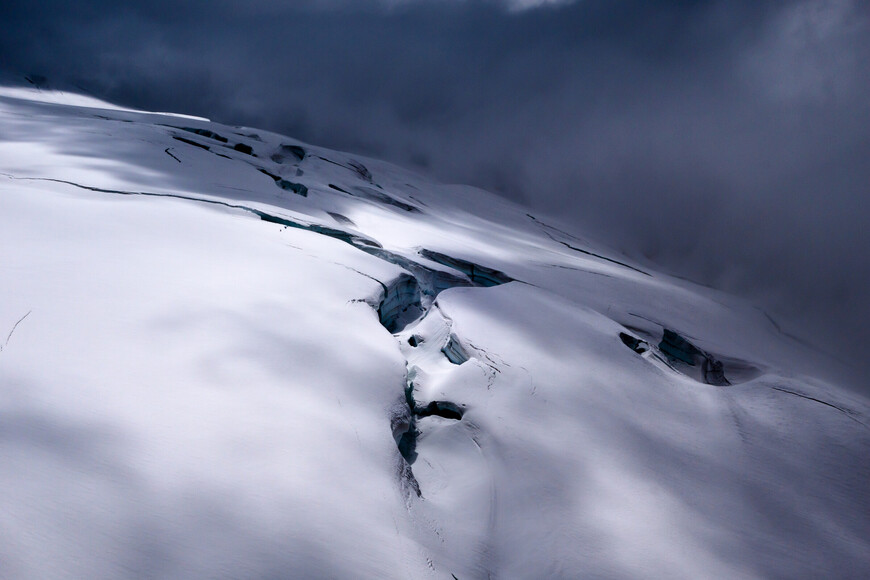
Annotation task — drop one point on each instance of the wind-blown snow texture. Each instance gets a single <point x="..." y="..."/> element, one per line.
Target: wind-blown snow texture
<point x="228" y="354"/>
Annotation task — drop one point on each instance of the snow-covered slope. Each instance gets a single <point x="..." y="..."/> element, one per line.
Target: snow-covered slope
<point x="229" y="354"/>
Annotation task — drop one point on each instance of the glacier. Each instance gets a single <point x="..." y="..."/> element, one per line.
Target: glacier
<point x="230" y="354"/>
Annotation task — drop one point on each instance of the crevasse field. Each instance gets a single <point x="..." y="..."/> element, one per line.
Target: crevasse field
<point x="229" y="354"/>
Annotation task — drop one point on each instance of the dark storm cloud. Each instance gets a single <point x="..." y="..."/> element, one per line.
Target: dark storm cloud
<point x="728" y="141"/>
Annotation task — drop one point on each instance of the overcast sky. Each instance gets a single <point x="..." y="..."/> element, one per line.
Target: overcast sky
<point x="727" y="141"/>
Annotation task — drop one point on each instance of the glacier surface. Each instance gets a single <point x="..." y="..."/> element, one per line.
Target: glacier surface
<point x="229" y="354"/>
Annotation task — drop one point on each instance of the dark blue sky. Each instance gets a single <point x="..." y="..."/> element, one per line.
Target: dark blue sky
<point x="727" y="141"/>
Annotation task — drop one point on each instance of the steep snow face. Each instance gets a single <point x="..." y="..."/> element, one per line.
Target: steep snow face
<point x="226" y="353"/>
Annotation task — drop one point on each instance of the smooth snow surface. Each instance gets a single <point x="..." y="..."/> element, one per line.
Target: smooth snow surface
<point x="229" y="354"/>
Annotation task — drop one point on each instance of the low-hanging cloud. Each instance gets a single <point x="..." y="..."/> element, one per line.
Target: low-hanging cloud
<point x="728" y="141"/>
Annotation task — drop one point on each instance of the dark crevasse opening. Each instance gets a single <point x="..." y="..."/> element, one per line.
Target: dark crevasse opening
<point x="713" y="372"/>
<point x="444" y="409"/>
<point x="677" y="348"/>
<point x="401" y="303"/>
<point x="404" y="421"/>
<point x="355" y="240"/>
<point x="361" y="170"/>
<point x="408" y="444"/>
<point x="454" y="352"/>
<point x="205" y="133"/>
<point x="683" y="356"/>
<point x="381" y="197"/>
<point x="637" y="345"/>
<point x="547" y="231"/>
<point x="297" y="188"/>
<point x="408" y="440"/>
<point x="431" y="282"/>
<point x="479" y="275"/>
<point x="269" y="173"/>
<point x="376" y="196"/>
<point x="356" y="167"/>
<point x="285" y="152"/>
<point x="403" y="424"/>
<point x="342" y="219"/>
<point x="407" y="298"/>
<point x="190" y="142"/>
